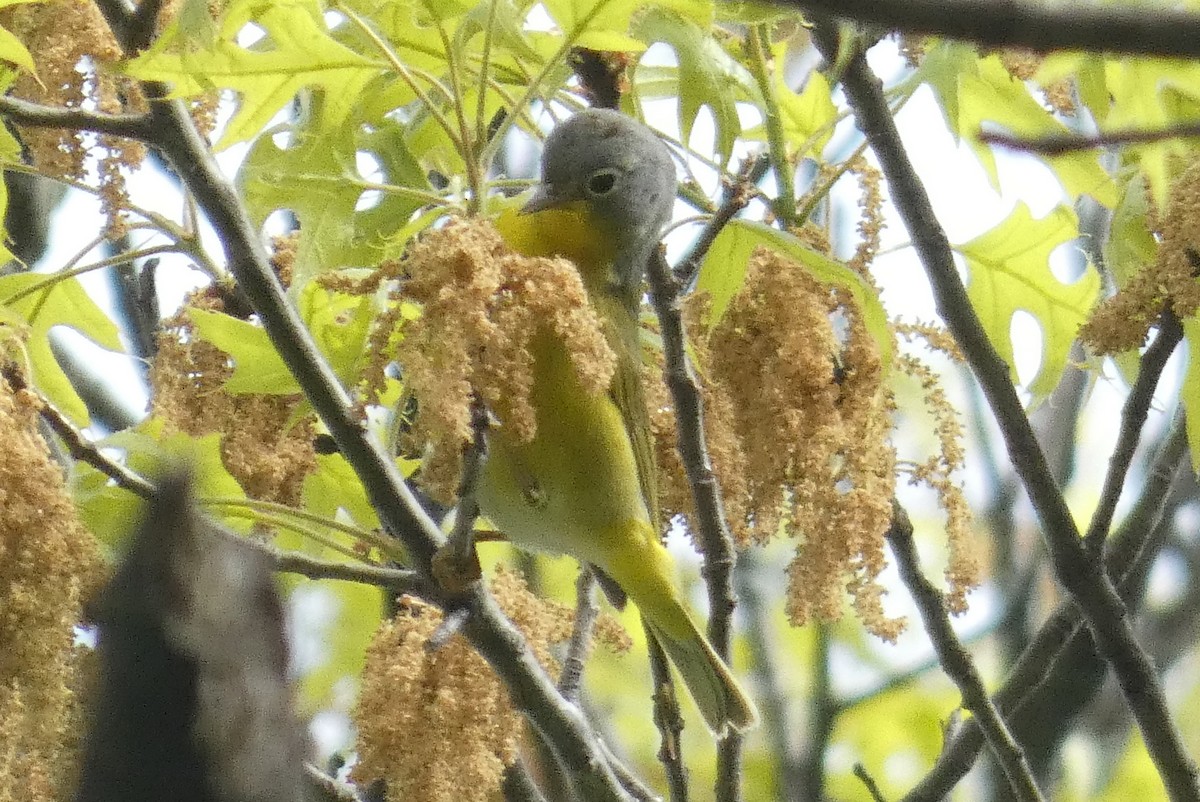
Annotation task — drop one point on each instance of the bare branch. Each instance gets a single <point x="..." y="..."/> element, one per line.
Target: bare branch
<point x="712" y="527"/>
<point x="1059" y="144"/>
<point x="456" y="565"/>
<point x="37" y="115"/>
<point x="518" y="785"/>
<point x="400" y="580"/>
<point x="860" y="771"/>
<point x="77" y="444"/>
<point x="1133" y="419"/>
<point x="955" y="660"/>
<point x="737" y="195"/>
<point x="1021" y="23"/>
<point x="669" y="721"/>
<point x="327" y="789"/>
<point x="570" y="680"/>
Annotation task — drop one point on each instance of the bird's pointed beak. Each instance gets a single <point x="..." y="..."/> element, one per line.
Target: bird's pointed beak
<point x="544" y="197"/>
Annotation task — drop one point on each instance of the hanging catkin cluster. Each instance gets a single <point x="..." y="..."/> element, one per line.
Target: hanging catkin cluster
<point x="482" y="306"/>
<point x="813" y="418"/>
<point x="437" y="724"/>
<point x="48" y="567"/>
<point x="1122" y="321"/>
<point x="262" y="446"/>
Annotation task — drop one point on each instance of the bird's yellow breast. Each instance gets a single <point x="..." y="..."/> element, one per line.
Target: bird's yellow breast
<point x="571" y="232"/>
<point x="578" y="478"/>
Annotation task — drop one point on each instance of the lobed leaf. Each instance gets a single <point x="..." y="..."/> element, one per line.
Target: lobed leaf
<point x="297" y="52"/>
<point x="43" y="302"/>
<point x="1009" y="271"/>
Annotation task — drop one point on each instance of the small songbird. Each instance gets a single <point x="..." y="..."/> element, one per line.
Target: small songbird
<point x="585" y="485"/>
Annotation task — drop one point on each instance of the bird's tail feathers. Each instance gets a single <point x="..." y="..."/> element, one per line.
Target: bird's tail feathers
<point x="725" y="706"/>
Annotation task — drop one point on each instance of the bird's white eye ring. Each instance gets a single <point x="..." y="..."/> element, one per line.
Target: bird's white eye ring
<point x="602" y="182"/>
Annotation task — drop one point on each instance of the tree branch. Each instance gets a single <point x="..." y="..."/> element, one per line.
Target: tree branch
<point x="1059" y="144"/>
<point x="1044" y="665"/>
<point x="1021" y="23"/>
<point x="711" y="525"/>
<point x="1083" y="577"/>
<point x="327" y="789"/>
<point x="668" y="720"/>
<point x="570" y="679"/>
<point x="400" y="580"/>
<point x="956" y="663"/>
<point x="738" y="195"/>
<point x="1133" y="419"/>
<point x="37" y="115"/>
<point x="78" y="446"/>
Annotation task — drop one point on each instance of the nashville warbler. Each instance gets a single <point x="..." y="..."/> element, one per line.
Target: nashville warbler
<point x="585" y="484"/>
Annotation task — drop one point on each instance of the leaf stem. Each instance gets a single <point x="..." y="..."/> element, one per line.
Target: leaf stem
<point x="784" y="205"/>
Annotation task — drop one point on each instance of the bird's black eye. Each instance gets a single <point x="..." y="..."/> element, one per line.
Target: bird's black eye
<point x="602" y="181"/>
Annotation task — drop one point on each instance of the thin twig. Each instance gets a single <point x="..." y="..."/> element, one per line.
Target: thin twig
<point x="896" y="681"/>
<point x="518" y="785"/>
<point x="669" y="721"/>
<point x="399" y="580"/>
<point x="1083" y="577"/>
<point x="1059" y="144"/>
<point x="712" y="527"/>
<point x="587" y="610"/>
<point x="860" y="771"/>
<point x="84" y="450"/>
<point x="1026" y="24"/>
<point x="629" y="781"/>
<point x="462" y="538"/>
<point x="328" y="789"/>
<point x="450" y="625"/>
<point x="77" y="444"/>
<point x="956" y="663"/>
<point x="1133" y="420"/>
<point x="738" y="193"/>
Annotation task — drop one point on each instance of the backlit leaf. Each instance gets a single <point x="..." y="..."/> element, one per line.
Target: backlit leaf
<point x="43" y="302"/>
<point x="296" y="53"/>
<point x="1009" y="271"/>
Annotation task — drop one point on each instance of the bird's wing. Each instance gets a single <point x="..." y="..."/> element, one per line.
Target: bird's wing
<point x="629" y="396"/>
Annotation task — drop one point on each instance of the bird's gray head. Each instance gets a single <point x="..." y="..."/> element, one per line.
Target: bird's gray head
<point x="622" y="172"/>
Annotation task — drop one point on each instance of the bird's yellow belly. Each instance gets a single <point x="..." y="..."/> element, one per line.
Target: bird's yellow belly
<point x="576" y="483"/>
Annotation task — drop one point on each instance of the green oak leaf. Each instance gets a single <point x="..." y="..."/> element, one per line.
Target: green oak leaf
<point x="979" y="94"/>
<point x="706" y="75"/>
<point x="605" y="24"/>
<point x="297" y="52"/>
<point x="1009" y="271"/>
<point x="42" y="302"/>
<point x="12" y="49"/>
<point x="257" y="366"/>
